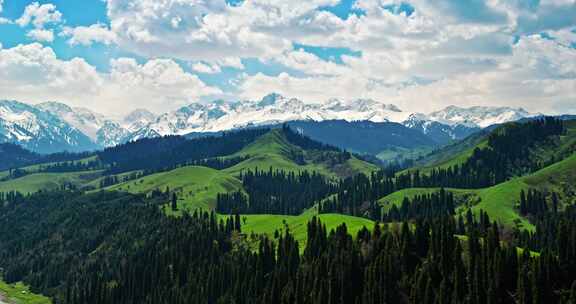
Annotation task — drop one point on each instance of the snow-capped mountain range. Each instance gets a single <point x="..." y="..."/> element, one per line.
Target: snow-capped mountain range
<point x="76" y="129"/>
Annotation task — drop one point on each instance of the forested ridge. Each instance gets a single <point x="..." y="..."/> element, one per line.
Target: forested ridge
<point x="508" y="153"/>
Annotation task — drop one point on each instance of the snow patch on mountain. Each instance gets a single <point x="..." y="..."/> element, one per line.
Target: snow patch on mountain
<point x="39" y="130"/>
<point x="100" y="129"/>
<point x="137" y="119"/>
<point x="478" y="116"/>
<point x="82" y="119"/>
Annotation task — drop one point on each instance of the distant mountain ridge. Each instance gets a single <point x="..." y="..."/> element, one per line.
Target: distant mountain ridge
<point x="80" y="129"/>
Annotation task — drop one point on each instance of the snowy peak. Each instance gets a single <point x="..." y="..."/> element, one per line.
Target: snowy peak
<point x="271" y="109"/>
<point x="111" y="134"/>
<point x="82" y="119"/>
<point x="363" y="109"/>
<point x="39" y="130"/>
<point x="55" y="107"/>
<point x="138" y="119"/>
<point x="270" y="100"/>
<point x="478" y="116"/>
<point x="367" y="105"/>
<point x="101" y="130"/>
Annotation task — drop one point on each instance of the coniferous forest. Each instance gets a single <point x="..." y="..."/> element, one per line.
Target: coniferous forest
<point x="119" y="248"/>
<point x="275" y="192"/>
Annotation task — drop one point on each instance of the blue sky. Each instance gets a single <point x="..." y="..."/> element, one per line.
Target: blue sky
<point x="116" y="55"/>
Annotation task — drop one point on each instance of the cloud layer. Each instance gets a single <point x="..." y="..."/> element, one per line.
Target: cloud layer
<point x="418" y="54"/>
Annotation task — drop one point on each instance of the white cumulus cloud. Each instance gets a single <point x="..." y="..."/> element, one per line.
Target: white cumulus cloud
<point x="41" y="35"/>
<point x="39" y="15"/>
<point x="86" y="35"/>
<point x="34" y="73"/>
<point x="201" y="67"/>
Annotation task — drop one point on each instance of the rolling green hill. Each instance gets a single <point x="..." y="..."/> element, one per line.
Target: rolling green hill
<point x="48" y="181"/>
<point x="274" y="150"/>
<point x="38" y="167"/>
<point x="461" y="196"/>
<point x="457" y="154"/>
<point x="500" y="201"/>
<point x="196" y="187"/>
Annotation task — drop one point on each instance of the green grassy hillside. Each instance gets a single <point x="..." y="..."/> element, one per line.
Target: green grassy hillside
<point x="500" y="201"/>
<point x="455" y="153"/>
<point x="37" y="167"/>
<point x="274" y="150"/>
<point x="196" y="187"/>
<point x="48" y="181"/>
<point x="95" y="184"/>
<point x="267" y="224"/>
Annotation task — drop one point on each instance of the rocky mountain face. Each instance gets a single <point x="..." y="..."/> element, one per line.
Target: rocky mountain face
<point x="80" y="129"/>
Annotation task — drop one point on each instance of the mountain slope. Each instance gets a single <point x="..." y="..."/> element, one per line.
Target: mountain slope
<point x="556" y="148"/>
<point x="138" y="119"/>
<point x="441" y="133"/>
<point x="272" y="109"/>
<point x="442" y="127"/>
<point x="363" y="136"/>
<point x="35" y="182"/>
<point x="501" y="201"/>
<point x="274" y="150"/>
<point x="86" y="121"/>
<point x="39" y="130"/>
<point x="196" y="187"/>
<point x="101" y="130"/>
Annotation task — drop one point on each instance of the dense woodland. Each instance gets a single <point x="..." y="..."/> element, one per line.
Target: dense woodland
<point x="119" y="248"/>
<point x="422" y="206"/>
<point x="275" y="192"/>
<point x="14" y="156"/>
